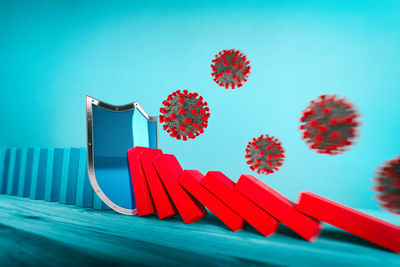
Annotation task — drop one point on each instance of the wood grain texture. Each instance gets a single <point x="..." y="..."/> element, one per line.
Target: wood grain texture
<point x="39" y="233"/>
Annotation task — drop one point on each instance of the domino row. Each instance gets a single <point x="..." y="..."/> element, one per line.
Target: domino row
<point x="51" y="174"/>
<point x="161" y="186"/>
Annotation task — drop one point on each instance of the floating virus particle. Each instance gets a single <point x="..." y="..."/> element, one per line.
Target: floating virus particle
<point x="185" y="115"/>
<point x="264" y="154"/>
<point x="388" y="186"/>
<point x="230" y="68"/>
<point x="329" y="124"/>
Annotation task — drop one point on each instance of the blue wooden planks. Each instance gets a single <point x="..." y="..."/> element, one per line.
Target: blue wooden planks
<point x="53" y="174"/>
<point x="25" y="172"/>
<point x="39" y="171"/>
<point x="69" y="176"/>
<point x="84" y="191"/>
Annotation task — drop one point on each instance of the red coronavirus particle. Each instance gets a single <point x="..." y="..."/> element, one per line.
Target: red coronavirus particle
<point x="264" y="154"/>
<point x="388" y="186"/>
<point x="185" y="115"/>
<point x="230" y="68"/>
<point x="329" y="124"/>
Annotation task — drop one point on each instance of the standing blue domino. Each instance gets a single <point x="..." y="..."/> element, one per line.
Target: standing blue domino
<point x="98" y="204"/>
<point x="4" y="164"/>
<point x="53" y="174"/>
<point x="69" y="176"/>
<point x="39" y="170"/>
<point x="84" y="191"/>
<point x="13" y="171"/>
<point x="25" y="172"/>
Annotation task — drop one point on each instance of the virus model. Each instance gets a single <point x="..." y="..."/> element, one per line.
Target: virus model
<point x="388" y="186"/>
<point x="329" y="124"/>
<point x="230" y="68"/>
<point x="264" y="154"/>
<point x="184" y="114"/>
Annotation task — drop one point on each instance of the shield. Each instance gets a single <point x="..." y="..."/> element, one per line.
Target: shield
<point x="111" y="131"/>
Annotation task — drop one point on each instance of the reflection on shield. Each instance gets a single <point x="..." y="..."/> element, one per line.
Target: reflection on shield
<point x="111" y="131"/>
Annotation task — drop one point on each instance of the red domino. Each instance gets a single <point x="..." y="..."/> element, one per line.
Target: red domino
<point x="278" y="206"/>
<point x="169" y="170"/>
<point x="144" y="203"/>
<point x="224" y="189"/>
<point x="190" y="180"/>
<point x="164" y="206"/>
<point x="353" y="221"/>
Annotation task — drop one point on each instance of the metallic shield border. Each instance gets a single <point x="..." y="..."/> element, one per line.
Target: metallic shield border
<point x="90" y="157"/>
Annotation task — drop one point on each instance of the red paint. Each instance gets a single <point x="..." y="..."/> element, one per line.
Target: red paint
<point x="224" y="188"/>
<point x="191" y="181"/>
<point x="353" y="221"/>
<point x="278" y="206"/>
<point x="164" y="206"/>
<point x="169" y="170"/>
<point x="144" y="203"/>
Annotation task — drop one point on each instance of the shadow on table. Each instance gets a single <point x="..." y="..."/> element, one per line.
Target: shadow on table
<point x="342" y="236"/>
<point x="329" y="233"/>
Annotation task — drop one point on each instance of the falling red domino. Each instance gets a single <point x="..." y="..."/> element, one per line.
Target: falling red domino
<point x="190" y="180"/>
<point x="144" y="203"/>
<point x="169" y="170"/>
<point x="353" y="221"/>
<point x="164" y="206"/>
<point x="224" y="188"/>
<point x="278" y="206"/>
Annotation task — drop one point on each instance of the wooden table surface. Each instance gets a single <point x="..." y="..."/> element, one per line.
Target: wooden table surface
<point x="39" y="233"/>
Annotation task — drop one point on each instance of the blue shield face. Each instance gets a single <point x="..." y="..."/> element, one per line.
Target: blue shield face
<point x="112" y="130"/>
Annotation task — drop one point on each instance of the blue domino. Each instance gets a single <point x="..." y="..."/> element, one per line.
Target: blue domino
<point x="84" y="191"/>
<point x="13" y="171"/>
<point x="25" y="172"/>
<point x="98" y="204"/>
<point x="39" y="171"/>
<point x="69" y="176"/>
<point x="53" y="174"/>
<point x="4" y="165"/>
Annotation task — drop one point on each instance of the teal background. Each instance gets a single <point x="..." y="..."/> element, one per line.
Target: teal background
<point x="53" y="53"/>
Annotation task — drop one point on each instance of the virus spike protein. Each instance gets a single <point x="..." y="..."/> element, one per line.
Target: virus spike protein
<point x="387" y="184"/>
<point x="329" y="124"/>
<point x="265" y="154"/>
<point x="185" y="115"/>
<point x="230" y="68"/>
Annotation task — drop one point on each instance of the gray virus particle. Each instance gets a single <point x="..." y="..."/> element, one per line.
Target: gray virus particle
<point x="387" y="184"/>
<point x="265" y="154"/>
<point x="230" y="68"/>
<point x="185" y="115"/>
<point x="329" y="124"/>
